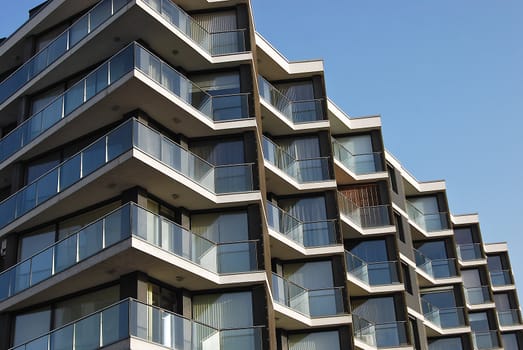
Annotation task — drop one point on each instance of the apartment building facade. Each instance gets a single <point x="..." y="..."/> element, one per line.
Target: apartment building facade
<point x="169" y="180"/>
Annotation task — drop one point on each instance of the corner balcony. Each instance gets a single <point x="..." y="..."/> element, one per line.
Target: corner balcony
<point x="444" y="321"/>
<point x="510" y="320"/>
<point x="478" y="298"/>
<point x="85" y="26"/>
<point x="131" y="141"/>
<point x="470" y="254"/>
<point x="363" y="221"/>
<point x="213" y="43"/>
<point x="372" y="277"/>
<point x="129" y="238"/>
<point x="487" y="340"/>
<point x="131" y="324"/>
<point x="282" y="115"/>
<point x="111" y="19"/>
<point x="502" y="280"/>
<point x="287" y="175"/>
<point x="292" y="238"/>
<point x="437" y="271"/>
<point x="296" y="306"/>
<point x="352" y="167"/>
<point x="429" y="224"/>
<point x="133" y="74"/>
<point x="369" y="335"/>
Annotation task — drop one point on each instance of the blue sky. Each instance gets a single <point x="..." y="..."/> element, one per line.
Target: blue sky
<point x="446" y="76"/>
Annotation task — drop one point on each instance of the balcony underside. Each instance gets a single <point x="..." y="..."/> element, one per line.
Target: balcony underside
<point x="276" y="124"/>
<point x="133" y="168"/>
<point x="346" y="177"/>
<point x="280" y="183"/>
<point x="435" y="331"/>
<point x="285" y="248"/>
<point x="358" y="289"/>
<point x="289" y="319"/>
<point x="352" y="230"/>
<point x="125" y="257"/>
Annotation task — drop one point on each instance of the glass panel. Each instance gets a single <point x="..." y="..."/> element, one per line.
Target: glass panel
<point x="70" y="172"/>
<point x="66" y="253"/>
<point x="100" y="14"/>
<point x="62" y="339"/>
<point x="87" y="333"/>
<point x="90" y="240"/>
<point x="42" y="266"/>
<point x="31" y="325"/>
<point x="74" y="97"/>
<point x="47" y="186"/>
<point x="115" y="323"/>
<point x="93" y="157"/>
<point x="315" y="341"/>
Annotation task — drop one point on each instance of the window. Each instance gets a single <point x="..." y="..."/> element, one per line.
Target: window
<point x="221" y="311"/>
<point x="374" y="252"/>
<point x="415" y="333"/>
<point x="445" y="344"/>
<point x="31" y="325"/>
<point x="479" y="322"/>
<point x="510" y="341"/>
<point x="231" y="228"/>
<point x="399" y="226"/>
<point x="406" y="278"/>
<point x="495" y="263"/>
<point x="305" y="149"/>
<point x="362" y="158"/>
<point x="393" y="180"/>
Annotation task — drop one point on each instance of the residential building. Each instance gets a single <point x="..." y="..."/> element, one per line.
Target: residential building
<point x="169" y="180"/>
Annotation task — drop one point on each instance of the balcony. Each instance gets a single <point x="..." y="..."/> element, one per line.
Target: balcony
<point x="501" y="279"/>
<point x="363" y="166"/>
<point x="379" y="336"/>
<point x="303" y="174"/>
<point x="128" y="221"/>
<point x="215" y="43"/>
<point x="365" y="220"/>
<point x="437" y="270"/>
<point x="132" y="320"/>
<point x="376" y="277"/>
<point x="485" y="340"/>
<point x="431" y="224"/>
<point x="80" y="29"/>
<point x="445" y="318"/>
<point x="130" y="135"/>
<point x="133" y="57"/>
<point x="470" y="252"/>
<point x="313" y="236"/>
<point x="297" y="306"/>
<point x="508" y="318"/>
<point x="477" y="296"/>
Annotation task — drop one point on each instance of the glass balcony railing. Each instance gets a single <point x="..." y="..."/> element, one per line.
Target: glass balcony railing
<point x="372" y="273"/>
<point x="359" y="164"/>
<point x="223" y="179"/>
<point x="429" y="222"/>
<point x="380" y="335"/>
<point x="309" y="302"/>
<point x="302" y="170"/>
<point x="134" y="56"/>
<point x="214" y="43"/>
<point x="365" y="217"/>
<point x="509" y="317"/>
<point x="477" y="295"/>
<point x="501" y="278"/>
<point x="485" y="340"/>
<point x="80" y="29"/>
<point x="444" y="318"/>
<point x="436" y="268"/>
<point x="295" y="111"/>
<point x="469" y="252"/>
<point x="131" y="318"/>
<point x="129" y="220"/>
<point x="306" y="234"/>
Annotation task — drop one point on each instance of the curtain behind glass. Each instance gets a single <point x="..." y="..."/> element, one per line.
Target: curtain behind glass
<point x="314" y="341"/>
<point x="376" y="310"/>
<point x="222" y="311"/>
<point x="310" y="209"/>
<point x="302" y="91"/>
<point x="446" y="344"/>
